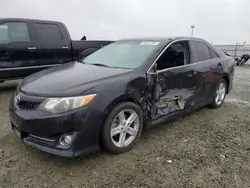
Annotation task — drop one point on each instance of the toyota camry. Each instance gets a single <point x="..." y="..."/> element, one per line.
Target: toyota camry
<point x="106" y="99"/>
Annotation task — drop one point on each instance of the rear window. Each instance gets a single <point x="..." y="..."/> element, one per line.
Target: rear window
<point x="201" y="50"/>
<point x="14" y="32"/>
<point x="213" y="54"/>
<point x="48" y="31"/>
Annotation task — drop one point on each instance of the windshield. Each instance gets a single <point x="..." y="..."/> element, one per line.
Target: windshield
<point x="123" y="54"/>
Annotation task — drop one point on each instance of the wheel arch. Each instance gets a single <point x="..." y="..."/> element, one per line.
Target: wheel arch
<point x="226" y="78"/>
<point x="118" y="100"/>
<point x="122" y="99"/>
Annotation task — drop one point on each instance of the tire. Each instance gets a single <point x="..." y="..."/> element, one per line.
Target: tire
<point x="215" y="104"/>
<point x="242" y="62"/>
<point x="114" y="144"/>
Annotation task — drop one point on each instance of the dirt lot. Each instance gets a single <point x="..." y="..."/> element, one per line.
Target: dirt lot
<point x="208" y="148"/>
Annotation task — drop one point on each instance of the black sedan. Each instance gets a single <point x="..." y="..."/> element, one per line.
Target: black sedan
<point x="109" y="97"/>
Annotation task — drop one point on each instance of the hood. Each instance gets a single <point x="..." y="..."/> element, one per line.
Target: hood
<point x="68" y="80"/>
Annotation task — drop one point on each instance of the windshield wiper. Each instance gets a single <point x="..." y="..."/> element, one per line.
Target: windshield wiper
<point x="96" y="64"/>
<point x="99" y="64"/>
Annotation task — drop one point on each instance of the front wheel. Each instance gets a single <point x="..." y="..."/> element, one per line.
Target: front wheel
<point x="122" y="128"/>
<point x="220" y="94"/>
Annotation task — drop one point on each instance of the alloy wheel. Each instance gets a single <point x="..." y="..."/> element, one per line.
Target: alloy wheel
<point x="124" y="128"/>
<point x="220" y="93"/>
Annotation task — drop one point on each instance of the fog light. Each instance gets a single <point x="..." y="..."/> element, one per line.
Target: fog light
<point x="66" y="140"/>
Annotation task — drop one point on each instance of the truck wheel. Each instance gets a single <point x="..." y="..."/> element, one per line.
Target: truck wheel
<point x="220" y="95"/>
<point x="122" y="128"/>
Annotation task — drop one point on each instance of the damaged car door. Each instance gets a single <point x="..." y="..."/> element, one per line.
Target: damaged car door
<point x="208" y="66"/>
<point x="175" y="83"/>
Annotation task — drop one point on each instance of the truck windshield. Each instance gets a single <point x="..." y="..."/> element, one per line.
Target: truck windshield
<point x="122" y="54"/>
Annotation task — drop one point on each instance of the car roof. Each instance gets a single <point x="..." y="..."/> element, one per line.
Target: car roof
<point x="26" y="20"/>
<point x="161" y="39"/>
<point x="167" y="40"/>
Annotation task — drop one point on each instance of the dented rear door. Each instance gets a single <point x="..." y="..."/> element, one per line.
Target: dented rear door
<point x="208" y="67"/>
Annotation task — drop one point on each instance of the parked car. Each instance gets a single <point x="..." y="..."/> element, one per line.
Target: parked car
<point x="242" y="60"/>
<point x="28" y="46"/>
<point x="109" y="97"/>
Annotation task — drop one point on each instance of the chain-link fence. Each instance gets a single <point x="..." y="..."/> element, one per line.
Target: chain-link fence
<point x="234" y="50"/>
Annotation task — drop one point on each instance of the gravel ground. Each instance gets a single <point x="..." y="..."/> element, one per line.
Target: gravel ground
<point x="208" y="148"/>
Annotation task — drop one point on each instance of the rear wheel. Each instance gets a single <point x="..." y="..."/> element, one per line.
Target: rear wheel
<point x="122" y="128"/>
<point x="220" y="94"/>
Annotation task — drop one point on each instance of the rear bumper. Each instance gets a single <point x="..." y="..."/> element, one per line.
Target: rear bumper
<point x="43" y="131"/>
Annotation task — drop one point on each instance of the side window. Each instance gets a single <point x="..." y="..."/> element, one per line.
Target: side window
<point x="48" y="31"/>
<point x="174" y="56"/>
<point x="14" y="32"/>
<point x="201" y="51"/>
<point x="213" y="54"/>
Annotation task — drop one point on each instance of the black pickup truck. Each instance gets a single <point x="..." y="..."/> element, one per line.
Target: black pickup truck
<point x="28" y="46"/>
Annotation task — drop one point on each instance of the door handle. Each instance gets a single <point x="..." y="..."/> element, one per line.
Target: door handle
<point x="31" y="48"/>
<point x="219" y="65"/>
<point x="191" y="73"/>
<point x="65" y="47"/>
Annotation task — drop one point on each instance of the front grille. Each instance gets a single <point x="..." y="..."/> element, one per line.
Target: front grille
<point x="28" y="105"/>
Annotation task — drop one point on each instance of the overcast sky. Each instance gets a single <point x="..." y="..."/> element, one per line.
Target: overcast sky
<point x="220" y="21"/>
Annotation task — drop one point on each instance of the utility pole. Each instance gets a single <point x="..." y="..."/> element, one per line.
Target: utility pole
<point x="192" y="33"/>
<point x="236" y="49"/>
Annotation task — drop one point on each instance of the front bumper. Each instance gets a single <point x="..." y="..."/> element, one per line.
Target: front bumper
<point x="42" y="130"/>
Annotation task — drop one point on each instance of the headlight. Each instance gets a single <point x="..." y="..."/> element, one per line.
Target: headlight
<point x="60" y="105"/>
